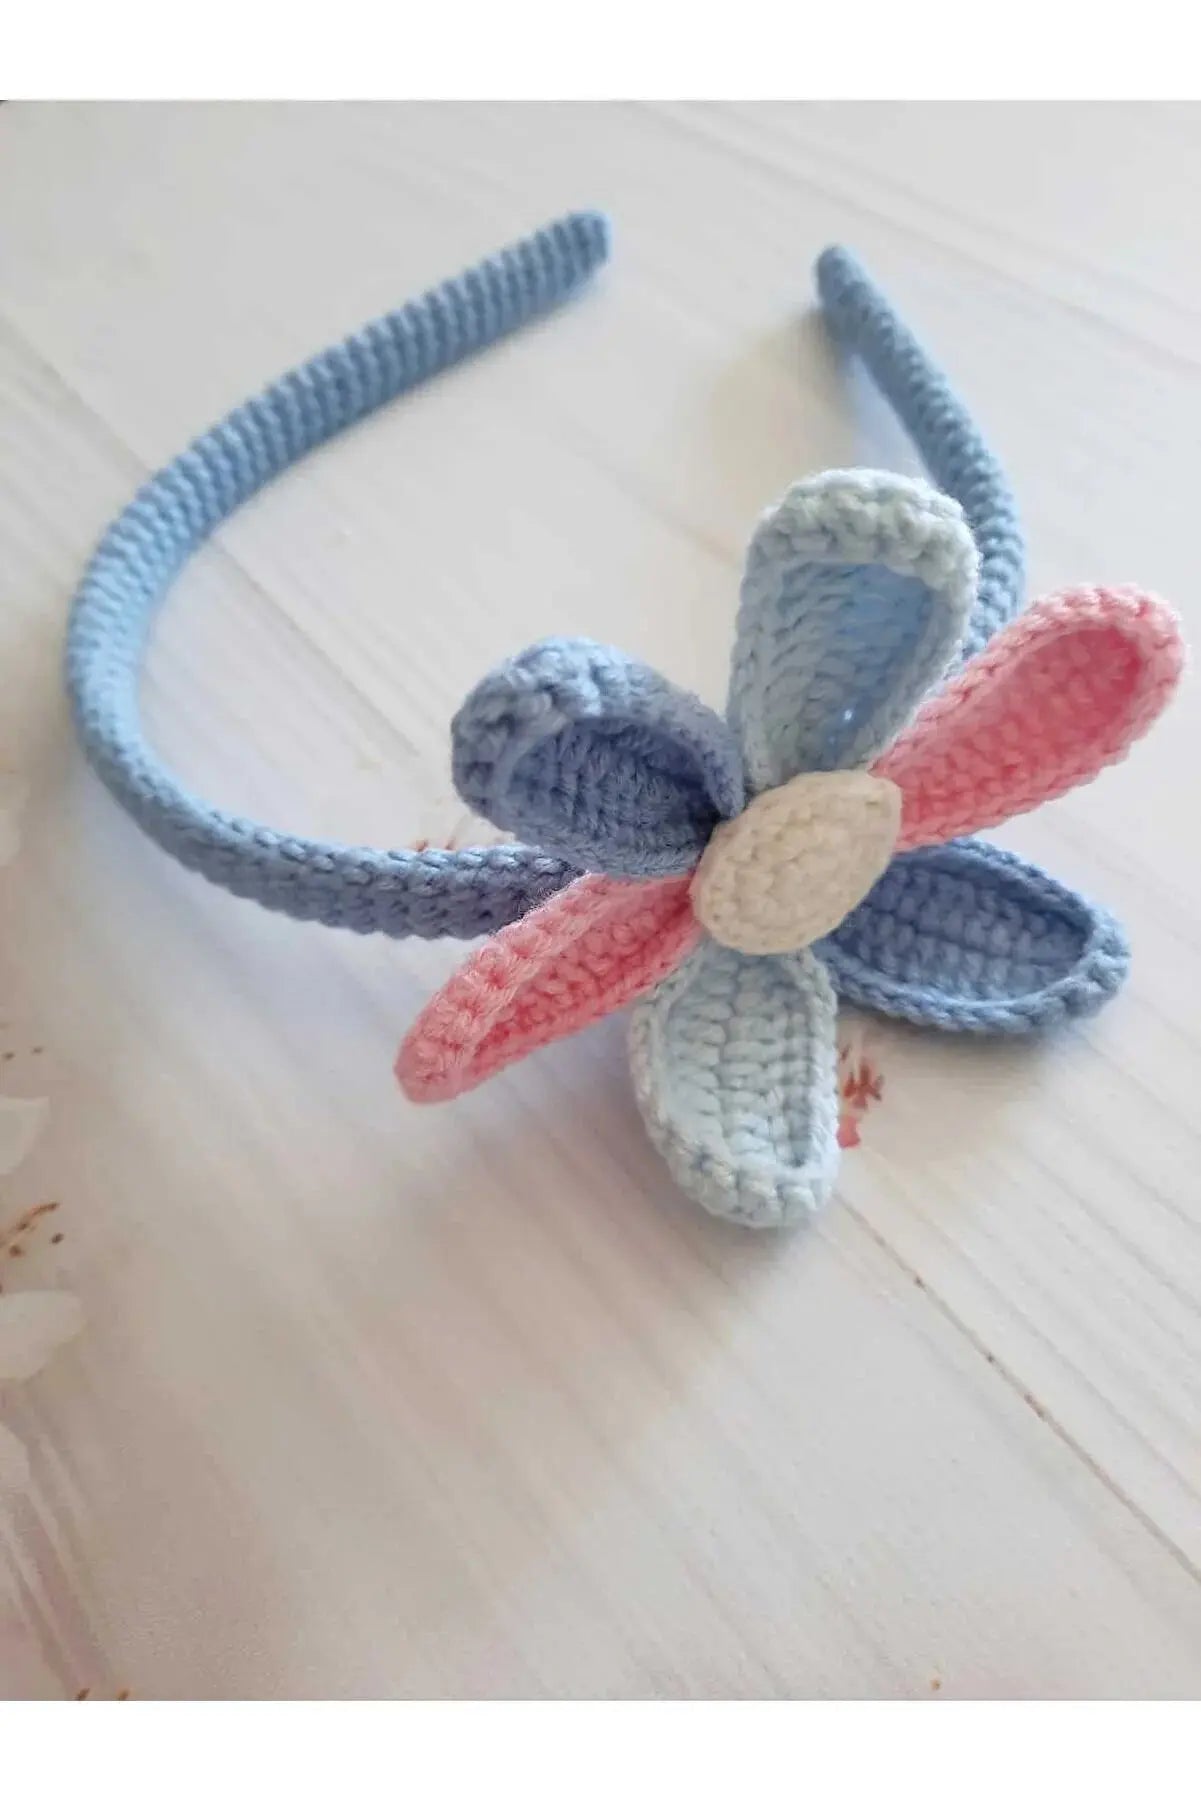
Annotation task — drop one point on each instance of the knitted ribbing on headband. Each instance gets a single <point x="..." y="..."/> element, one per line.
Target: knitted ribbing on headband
<point x="863" y="321"/>
<point x="428" y="894"/>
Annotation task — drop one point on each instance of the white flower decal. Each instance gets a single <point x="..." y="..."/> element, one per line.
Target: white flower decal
<point x="35" y="1323"/>
<point x="21" y="1124"/>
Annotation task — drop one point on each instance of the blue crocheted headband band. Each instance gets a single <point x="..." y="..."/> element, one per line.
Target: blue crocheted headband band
<point x="733" y="877"/>
<point x="431" y="893"/>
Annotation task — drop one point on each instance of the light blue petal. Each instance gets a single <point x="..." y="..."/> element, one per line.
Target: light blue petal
<point x="970" y="938"/>
<point x="594" y="757"/>
<point x="734" y="1067"/>
<point x="857" y="591"/>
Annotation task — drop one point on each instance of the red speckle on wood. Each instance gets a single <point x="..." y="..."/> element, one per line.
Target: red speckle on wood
<point x="860" y="1086"/>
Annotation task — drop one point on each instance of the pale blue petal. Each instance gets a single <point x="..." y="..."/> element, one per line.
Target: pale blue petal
<point x="857" y="591"/>
<point x="734" y="1067"/>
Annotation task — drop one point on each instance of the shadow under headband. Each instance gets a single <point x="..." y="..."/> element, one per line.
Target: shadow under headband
<point x="733" y="876"/>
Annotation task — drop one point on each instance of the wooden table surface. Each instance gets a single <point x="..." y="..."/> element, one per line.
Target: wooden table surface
<point x="469" y="1402"/>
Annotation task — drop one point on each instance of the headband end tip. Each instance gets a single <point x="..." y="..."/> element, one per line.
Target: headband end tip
<point x="594" y="228"/>
<point x="833" y="269"/>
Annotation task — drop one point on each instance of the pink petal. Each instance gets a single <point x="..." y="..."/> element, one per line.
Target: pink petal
<point x="1062" y="692"/>
<point x="590" y="949"/>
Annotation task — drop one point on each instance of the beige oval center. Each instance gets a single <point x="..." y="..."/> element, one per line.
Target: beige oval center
<point x="797" y="861"/>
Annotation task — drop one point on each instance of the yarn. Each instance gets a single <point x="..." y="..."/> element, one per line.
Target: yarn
<point x="426" y="894"/>
<point x="595" y="946"/>
<point x="864" y="322"/>
<point x="967" y="937"/>
<point x="790" y="868"/>
<point x="857" y="587"/>
<point x="1060" y="693"/>
<point x="734" y="1065"/>
<point x="553" y="741"/>
<point x="435" y="893"/>
<point x="712" y="871"/>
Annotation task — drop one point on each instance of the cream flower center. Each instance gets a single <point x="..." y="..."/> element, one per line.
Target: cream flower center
<point x="793" y="865"/>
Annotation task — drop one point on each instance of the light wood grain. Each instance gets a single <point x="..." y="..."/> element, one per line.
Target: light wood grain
<point x="379" y="1401"/>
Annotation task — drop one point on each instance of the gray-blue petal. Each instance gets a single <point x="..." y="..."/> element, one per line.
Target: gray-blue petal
<point x="596" y="758"/>
<point x="970" y="938"/>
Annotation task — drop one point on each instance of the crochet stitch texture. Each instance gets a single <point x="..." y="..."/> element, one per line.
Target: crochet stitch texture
<point x="431" y="893"/>
<point x="836" y="864"/>
<point x="732" y="876"/>
<point x="426" y="894"/>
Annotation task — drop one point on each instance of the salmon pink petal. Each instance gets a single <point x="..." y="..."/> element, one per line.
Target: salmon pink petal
<point x="1059" y="694"/>
<point x="591" y="949"/>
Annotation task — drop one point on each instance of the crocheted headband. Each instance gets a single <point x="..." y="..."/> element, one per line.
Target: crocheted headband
<point x="734" y="875"/>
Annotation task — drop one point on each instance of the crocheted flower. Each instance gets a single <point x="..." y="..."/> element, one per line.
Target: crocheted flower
<point x="741" y="873"/>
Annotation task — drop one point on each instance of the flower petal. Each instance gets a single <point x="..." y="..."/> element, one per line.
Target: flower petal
<point x="1059" y="694"/>
<point x="591" y="949"/>
<point x="734" y="1067"/>
<point x="595" y="757"/>
<point x="33" y="1324"/>
<point x="969" y="938"/>
<point x="857" y="590"/>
